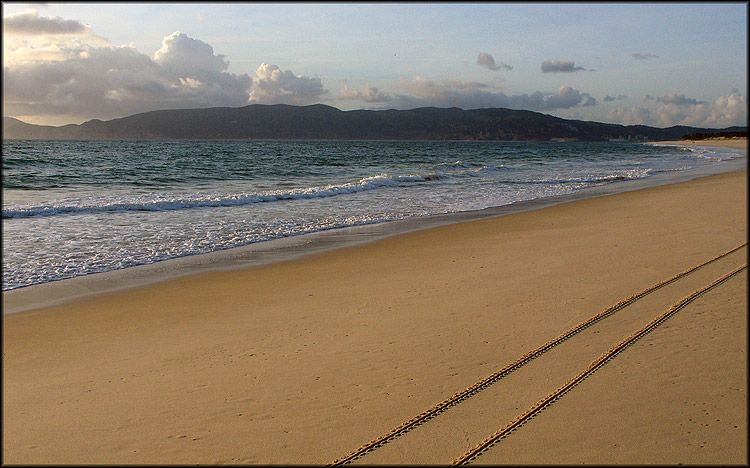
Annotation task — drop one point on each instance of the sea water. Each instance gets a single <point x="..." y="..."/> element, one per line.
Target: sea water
<point x="72" y="208"/>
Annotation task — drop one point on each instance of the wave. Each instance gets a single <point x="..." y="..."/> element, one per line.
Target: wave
<point x="712" y="153"/>
<point x="160" y="202"/>
<point x="220" y="200"/>
<point x="470" y="169"/>
<point x="593" y="180"/>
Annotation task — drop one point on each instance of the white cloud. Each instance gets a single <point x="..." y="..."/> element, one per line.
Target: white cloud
<point x="487" y="61"/>
<point x="673" y="114"/>
<point x="197" y="75"/>
<point x="567" y="97"/>
<point x="631" y="116"/>
<point x="474" y="95"/>
<point x="425" y="88"/>
<point x="274" y="86"/>
<point x="368" y="94"/>
<point x="86" y="81"/>
<point x="61" y="68"/>
<point x="28" y="37"/>
<point x="560" y="66"/>
<point x="24" y="51"/>
<point x="677" y="109"/>
<point x="181" y="56"/>
<point x="726" y="111"/>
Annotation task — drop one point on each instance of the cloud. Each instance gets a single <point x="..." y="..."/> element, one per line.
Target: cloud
<point x="421" y="92"/>
<point x="368" y="94"/>
<point x="726" y="111"/>
<point x="488" y="62"/>
<point x="612" y="98"/>
<point x="567" y="97"/>
<point x="678" y="100"/>
<point x="631" y="116"/>
<point x="560" y="66"/>
<point x="673" y="114"/>
<point x="638" y="56"/>
<point x="28" y="37"/>
<point x="677" y="109"/>
<point x="78" y="76"/>
<point x="182" y="56"/>
<point x="29" y="23"/>
<point x="423" y="87"/>
<point x="85" y="81"/>
<point x="274" y="86"/>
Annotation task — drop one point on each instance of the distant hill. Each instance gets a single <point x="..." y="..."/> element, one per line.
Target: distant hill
<point x="328" y="123"/>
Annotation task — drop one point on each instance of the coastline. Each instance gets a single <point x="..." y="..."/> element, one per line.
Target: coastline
<point x="736" y="143"/>
<point x="304" y="360"/>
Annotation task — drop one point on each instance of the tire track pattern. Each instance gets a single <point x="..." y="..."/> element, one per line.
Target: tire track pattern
<point x="457" y="398"/>
<point x="603" y="359"/>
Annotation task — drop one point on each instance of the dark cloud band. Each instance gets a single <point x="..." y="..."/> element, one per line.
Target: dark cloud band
<point x="29" y="22"/>
<point x="487" y="61"/>
<point x="560" y="66"/>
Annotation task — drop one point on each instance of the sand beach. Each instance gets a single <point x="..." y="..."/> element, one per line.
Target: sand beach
<point x="737" y="143"/>
<point x="418" y="348"/>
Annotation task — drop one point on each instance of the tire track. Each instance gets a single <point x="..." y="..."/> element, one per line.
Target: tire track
<point x="524" y="359"/>
<point x="603" y="359"/>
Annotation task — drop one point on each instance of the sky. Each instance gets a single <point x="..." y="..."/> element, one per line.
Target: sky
<point x="657" y="64"/>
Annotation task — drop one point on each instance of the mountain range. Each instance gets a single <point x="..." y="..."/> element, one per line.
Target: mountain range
<point x="323" y="122"/>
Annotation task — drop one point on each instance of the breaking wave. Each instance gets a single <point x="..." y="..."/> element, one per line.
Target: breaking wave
<point x="158" y="202"/>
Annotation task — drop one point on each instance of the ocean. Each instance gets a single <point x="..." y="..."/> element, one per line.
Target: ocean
<point x="72" y="208"/>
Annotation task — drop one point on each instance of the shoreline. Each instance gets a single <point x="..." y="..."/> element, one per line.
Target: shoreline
<point x="736" y="143"/>
<point x="32" y="297"/>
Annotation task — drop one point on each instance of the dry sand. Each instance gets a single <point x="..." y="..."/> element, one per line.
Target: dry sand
<point x="737" y="143"/>
<point x="305" y="360"/>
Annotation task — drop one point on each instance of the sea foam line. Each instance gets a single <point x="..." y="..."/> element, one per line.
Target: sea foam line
<point x="188" y="202"/>
<point x="456" y="170"/>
